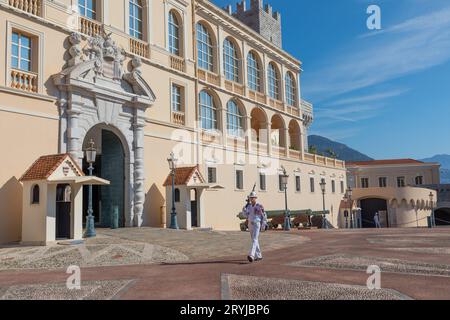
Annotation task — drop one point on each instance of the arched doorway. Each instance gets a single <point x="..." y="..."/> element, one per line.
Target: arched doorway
<point x="368" y="209"/>
<point x="63" y="211"/>
<point x="109" y="202"/>
<point x="442" y="217"/>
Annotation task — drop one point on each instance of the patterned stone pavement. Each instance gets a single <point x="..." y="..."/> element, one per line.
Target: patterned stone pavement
<point x="350" y="262"/>
<point x="313" y="264"/>
<point x="138" y="246"/>
<point x="92" y="290"/>
<point x="237" y="287"/>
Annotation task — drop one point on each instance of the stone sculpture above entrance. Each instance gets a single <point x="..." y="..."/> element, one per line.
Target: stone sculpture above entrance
<point x="96" y="89"/>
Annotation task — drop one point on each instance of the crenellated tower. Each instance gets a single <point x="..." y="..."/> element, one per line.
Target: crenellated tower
<point x="260" y="18"/>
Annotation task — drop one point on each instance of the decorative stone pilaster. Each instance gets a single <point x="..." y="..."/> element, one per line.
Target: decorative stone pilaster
<point x="139" y="172"/>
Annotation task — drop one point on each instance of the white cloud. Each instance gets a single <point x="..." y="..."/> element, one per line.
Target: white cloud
<point x="408" y="47"/>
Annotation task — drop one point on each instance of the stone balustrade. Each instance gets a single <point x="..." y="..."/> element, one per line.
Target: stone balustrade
<point x="177" y="63"/>
<point x="139" y="48"/>
<point x="90" y="27"/>
<point x="22" y="80"/>
<point x="30" y="6"/>
<point x="234" y="87"/>
<point x="178" y="118"/>
<point x="209" y="77"/>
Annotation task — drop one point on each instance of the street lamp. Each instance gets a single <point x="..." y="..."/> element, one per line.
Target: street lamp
<point x="91" y="154"/>
<point x="433" y="222"/>
<point x="323" y="186"/>
<point x="284" y="183"/>
<point x="349" y="196"/>
<point x="345" y="211"/>
<point x="173" y="165"/>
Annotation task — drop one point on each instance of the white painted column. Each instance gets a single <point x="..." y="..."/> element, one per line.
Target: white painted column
<point x="139" y="172"/>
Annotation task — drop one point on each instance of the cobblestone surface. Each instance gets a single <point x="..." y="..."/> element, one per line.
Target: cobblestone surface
<point x="92" y="290"/>
<point x="349" y="262"/>
<point x="140" y="246"/>
<point x="258" y="288"/>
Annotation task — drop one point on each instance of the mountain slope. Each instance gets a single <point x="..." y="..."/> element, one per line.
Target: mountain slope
<point x="342" y="151"/>
<point x="444" y="160"/>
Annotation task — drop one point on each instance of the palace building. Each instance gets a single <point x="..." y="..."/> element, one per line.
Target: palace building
<point x="143" y="79"/>
<point x="399" y="190"/>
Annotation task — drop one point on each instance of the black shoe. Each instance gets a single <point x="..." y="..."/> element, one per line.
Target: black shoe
<point x="250" y="259"/>
<point x="258" y="259"/>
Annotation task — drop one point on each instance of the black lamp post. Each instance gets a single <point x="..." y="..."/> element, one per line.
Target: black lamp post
<point x="172" y="165"/>
<point x="323" y="187"/>
<point x="433" y="221"/>
<point x="287" y="218"/>
<point x="349" y="196"/>
<point x="91" y="154"/>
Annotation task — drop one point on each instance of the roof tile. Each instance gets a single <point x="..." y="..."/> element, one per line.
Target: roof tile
<point x="43" y="167"/>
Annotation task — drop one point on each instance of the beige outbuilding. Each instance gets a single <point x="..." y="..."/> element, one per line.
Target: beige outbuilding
<point x="53" y="200"/>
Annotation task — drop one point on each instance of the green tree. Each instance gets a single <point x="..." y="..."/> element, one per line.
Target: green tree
<point x="312" y="149"/>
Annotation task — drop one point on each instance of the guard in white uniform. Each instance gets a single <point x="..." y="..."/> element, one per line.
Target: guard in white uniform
<point x="376" y="219"/>
<point x="257" y="220"/>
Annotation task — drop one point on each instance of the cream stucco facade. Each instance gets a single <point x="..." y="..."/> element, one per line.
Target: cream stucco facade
<point x="397" y="189"/>
<point x="89" y="79"/>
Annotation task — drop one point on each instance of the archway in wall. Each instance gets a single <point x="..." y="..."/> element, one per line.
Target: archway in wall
<point x="368" y="209"/>
<point x="108" y="201"/>
<point x="442" y="217"/>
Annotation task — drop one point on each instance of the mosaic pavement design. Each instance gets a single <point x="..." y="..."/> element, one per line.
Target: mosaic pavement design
<point x="103" y="251"/>
<point x="236" y="287"/>
<point x="361" y="263"/>
<point x="433" y="250"/>
<point x="90" y="290"/>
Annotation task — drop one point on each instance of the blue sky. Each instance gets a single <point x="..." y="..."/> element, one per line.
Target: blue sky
<point x="385" y="93"/>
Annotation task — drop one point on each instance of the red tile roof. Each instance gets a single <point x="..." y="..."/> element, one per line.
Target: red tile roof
<point x="182" y="176"/>
<point x="43" y="167"/>
<point x="383" y="162"/>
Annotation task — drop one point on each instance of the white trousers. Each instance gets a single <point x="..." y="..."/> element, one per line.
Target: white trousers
<point x="255" y="229"/>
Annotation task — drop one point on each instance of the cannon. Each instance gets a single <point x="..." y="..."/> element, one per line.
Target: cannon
<point x="276" y="218"/>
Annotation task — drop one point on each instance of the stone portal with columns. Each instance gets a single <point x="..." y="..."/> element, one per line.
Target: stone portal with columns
<point x="97" y="90"/>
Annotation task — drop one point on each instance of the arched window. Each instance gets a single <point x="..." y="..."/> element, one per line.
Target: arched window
<point x="204" y="48"/>
<point x="208" y="111"/>
<point x="230" y="61"/>
<point x="234" y="120"/>
<point x="291" y="91"/>
<point x="35" y="195"/>
<point x="177" y="195"/>
<point x="174" y="34"/>
<point x="274" y="82"/>
<point x="136" y="18"/>
<point x="254" y="72"/>
<point x="88" y="8"/>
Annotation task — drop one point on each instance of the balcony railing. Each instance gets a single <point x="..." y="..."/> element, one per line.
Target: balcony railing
<point x="209" y="77"/>
<point x="279" y="151"/>
<point x="279" y="105"/>
<point x="259" y="147"/>
<point x="321" y="160"/>
<point x="236" y="142"/>
<point x="234" y="87"/>
<point x="31" y="6"/>
<point x="90" y="27"/>
<point x="293" y="111"/>
<point x="295" y="154"/>
<point x="178" y="118"/>
<point x="22" y="80"/>
<point x="257" y="96"/>
<point x="177" y="63"/>
<point x="139" y="48"/>
<point x="211" y="137"/>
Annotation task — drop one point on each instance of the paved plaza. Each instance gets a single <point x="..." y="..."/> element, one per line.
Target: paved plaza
<point x="311" y="264"/>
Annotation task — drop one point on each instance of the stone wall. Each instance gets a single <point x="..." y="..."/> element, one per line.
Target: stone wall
<point x="261" y="19"/>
